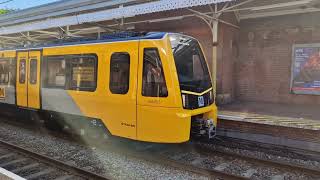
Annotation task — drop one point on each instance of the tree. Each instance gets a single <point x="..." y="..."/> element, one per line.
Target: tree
<point x="4" y="11"/>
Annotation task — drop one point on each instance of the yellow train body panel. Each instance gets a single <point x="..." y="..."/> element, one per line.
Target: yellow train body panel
<point x="153" y="107"/>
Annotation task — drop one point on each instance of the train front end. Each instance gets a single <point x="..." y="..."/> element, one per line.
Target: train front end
<point x="195" y="83"/>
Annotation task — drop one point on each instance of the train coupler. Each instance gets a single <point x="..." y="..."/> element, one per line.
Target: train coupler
<point x="202" y="128"/>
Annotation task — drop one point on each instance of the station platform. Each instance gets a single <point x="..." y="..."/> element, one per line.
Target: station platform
<point x="278" y="124"/>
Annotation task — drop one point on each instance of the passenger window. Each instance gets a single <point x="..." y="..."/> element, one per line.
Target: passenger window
<point x="153" y="83"/>
<point x="56" y="72"/>
<point x="71" y="72"/>
<point x="83" y="73"/>
<point x="22" y="71"/>
<point x="33" y="71"/>
<point x="7" y="71"/>
<point x="119" y="73"/>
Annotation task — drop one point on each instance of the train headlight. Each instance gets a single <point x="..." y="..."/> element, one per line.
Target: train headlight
<point x="184" y="100"/>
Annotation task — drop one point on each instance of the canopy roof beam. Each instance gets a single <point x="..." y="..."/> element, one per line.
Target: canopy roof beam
<point x="104" y="15"/>
<point x="247" y="9"/>
<point x="212" y="19"/>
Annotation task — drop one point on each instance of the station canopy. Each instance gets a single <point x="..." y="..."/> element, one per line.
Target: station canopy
<point x="69" y="19"/>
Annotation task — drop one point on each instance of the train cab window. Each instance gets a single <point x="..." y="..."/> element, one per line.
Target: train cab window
<point x="153" y="82"/>
<point x="83" y="73"/>
<point x="56" y="72"/>
<point x="119" y="73"/>
<point x="33" y="71"/>
<point x="22" y="71"/>
<point x="7" y="71"/>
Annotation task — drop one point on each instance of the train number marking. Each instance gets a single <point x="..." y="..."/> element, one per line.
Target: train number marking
<point x="200" y="101"/>
<point x="128" y="125"/>
<point x="154" y="101"/>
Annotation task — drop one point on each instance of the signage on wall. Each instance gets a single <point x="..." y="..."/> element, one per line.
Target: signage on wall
<point x="306" y="69"/>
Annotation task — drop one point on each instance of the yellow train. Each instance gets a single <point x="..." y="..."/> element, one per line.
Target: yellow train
<point x="154" y="87"/>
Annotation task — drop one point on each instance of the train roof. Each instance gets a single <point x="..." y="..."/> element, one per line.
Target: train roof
<point x="113" y="37"/>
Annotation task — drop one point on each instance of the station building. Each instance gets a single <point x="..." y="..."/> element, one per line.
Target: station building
<point x="254" y="39"/>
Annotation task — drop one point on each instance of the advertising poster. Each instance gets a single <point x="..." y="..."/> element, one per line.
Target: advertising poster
<point x="306" y="69"/>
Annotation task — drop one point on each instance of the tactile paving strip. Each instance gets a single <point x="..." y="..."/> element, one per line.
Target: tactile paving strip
<point x="270" y="120"/>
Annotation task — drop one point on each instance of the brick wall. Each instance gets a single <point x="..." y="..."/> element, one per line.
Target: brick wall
<point x="263" y="69"/>
<point x="227" y="56"/>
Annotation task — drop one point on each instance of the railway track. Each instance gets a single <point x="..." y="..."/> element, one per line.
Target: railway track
<point x="154" y="155"/>
<point x="268" y="148"/>
<point x="32" y="165"/>
<point x="139" y="155"/>
<point x="196" y="158"/>
<point x="186" y="157"/>
<point x="283" y="168"/>
<point x="217" y="164"/>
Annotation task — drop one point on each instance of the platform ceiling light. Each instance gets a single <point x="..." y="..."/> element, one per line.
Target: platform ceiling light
<point x="166" y="19"/>
<point x="281" y="5"/>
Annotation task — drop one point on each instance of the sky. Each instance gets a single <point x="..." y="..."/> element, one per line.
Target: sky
<point x="23" y="4"/>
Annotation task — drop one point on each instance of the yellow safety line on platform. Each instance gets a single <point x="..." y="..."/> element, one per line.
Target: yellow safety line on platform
<point x="252" y="117"/>
<point x="259" y="119"/>
<point x="285" y="121"/>
<point x="304" y="124"/>
<point x="292" y="122"/>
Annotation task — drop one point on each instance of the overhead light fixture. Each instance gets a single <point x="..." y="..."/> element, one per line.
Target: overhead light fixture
<point x="166" y="19"/>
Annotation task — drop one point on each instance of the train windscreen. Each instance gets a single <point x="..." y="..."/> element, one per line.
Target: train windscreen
<point x="191" y="66"/>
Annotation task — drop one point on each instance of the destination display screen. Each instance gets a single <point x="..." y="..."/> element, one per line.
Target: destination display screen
<point x="306" y="69"/>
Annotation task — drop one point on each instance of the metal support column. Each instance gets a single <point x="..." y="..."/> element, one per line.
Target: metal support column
<point x="212" y="20"/>
<point x="214" y="31"/>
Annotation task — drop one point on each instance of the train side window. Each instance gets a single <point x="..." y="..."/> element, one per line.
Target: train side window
<point x="153" y="82"/>
<point x="33" y="71"/>
<point x="22" y="71"/>
<point x="83" y="73"/>
<point x="55" y="76"/>
<point x="7" y="71"/>
<point x="119" y="73"/>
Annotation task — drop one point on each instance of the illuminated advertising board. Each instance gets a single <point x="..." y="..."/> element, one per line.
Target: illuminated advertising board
<point x="305" y="76"/>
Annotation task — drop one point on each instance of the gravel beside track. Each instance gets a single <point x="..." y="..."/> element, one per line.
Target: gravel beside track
<point x="125" y="159"/>
<point x="31" y="165"/>
<point x="266" y="151"/>
<point x="272" y="167"/>
<point x="241" y="165"/>
<point x="96" y="160"/>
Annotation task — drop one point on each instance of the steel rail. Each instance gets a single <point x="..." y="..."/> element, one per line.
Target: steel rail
<point x="153" y="158"/>
<point x="271" y="147"/>
<point x="259" y="161"/>
<point x="211" y="173"/>
<point x="146" y="156"/>
<point x="55" y="163"/>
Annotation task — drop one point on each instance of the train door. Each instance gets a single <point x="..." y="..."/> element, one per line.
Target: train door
<point x="123" y="67"/>
<point x="158" y="120"/>
<point x="28" y="79"/>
